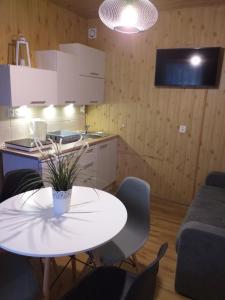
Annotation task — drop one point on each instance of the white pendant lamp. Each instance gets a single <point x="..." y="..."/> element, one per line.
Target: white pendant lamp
<point x="128" y="16"/>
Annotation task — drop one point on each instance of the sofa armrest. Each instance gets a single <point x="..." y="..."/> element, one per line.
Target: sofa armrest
<point x="201" y="228"/>
<point x="216" y="179"/>
<point x="200" y="269"/>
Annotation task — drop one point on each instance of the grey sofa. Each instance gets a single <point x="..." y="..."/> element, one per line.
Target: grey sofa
<point x="200" y="272"/>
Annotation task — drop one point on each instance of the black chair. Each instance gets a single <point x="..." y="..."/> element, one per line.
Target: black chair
<point x="20" y="181"/>
<point x="113" y="283"/>
<point x="17" y="280"/>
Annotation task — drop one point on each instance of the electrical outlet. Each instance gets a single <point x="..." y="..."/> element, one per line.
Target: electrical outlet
<point x="83" y="109"/>
<point x="92" y="33"/>
<point x="11" y="113"/>
<point x="182" y="128"/>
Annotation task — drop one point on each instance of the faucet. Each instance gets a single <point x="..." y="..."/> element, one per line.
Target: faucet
<point x="86" y="128"/>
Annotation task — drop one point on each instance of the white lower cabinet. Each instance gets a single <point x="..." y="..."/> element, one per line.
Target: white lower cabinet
<point x="106" y="163"/>
<point x="87" y="174"/>
<point x="97" y="166"/>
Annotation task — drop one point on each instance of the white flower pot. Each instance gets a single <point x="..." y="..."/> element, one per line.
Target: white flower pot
<point x="61" y="201"/>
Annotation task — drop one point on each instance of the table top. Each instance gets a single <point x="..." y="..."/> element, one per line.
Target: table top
<point x="29" y="227"/>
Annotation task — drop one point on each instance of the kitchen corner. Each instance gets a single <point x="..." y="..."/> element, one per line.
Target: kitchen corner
<point x="57" y="117"/>
<point x="98" y="165"/>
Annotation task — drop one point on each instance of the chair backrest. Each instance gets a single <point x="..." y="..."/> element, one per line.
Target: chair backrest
<point x="18" y="280"/>
<point x="144" y="285"/>
<point x="110" y="283"/>
<point x="20" y="181"/>
<point x="135" y="195"/>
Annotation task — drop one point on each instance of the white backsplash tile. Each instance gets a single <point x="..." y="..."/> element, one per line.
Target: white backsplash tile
<point x="5" y="134"/>
<point x="52" y="126"/>
<point x="19" y="132"/>
<point x="59" y="118"/>
<point x="5" y="123"/>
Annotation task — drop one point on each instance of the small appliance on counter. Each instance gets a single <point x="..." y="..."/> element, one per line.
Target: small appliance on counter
<point x="38" y="129"/>
<point x="27" y="145"/>
<point x="66" y="136"/>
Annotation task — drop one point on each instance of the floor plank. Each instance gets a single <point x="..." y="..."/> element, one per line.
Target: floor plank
<point x="165" y="221"/>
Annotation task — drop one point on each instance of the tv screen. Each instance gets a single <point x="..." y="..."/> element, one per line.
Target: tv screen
<point x="188" y="68"/>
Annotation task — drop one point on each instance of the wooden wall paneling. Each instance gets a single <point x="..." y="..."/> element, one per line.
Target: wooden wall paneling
<point x="141" y="82"/>
<point x="44" y="24"/>
<point x="151" y="145"/>
<point x="6" y="28"/>
<point x="40" y="20"/>
<point x="212" y="151"/>
<point x="130" y="92"/>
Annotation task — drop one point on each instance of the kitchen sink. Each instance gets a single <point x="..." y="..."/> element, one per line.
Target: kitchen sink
<point x="94" y="135"/>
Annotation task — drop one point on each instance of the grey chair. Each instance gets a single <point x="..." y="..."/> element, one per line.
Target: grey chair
<point x="113" y="283"/>
<point x="135" y="195"/>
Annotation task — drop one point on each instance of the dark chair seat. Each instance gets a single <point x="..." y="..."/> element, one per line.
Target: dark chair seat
<point x="113" y="283"/>
<point x="20" y="181"/>
<point x="17" y="281"/>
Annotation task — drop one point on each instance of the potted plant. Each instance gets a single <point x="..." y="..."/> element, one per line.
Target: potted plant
<point x="61" y="172"/>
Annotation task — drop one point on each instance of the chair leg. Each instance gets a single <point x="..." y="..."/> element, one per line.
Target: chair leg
<point x="90" y="263"/>
<point x="85" y="268"/>
<point x="54" y="264"/>
<point x="136" y="263"/>
<point x="46" y="279"/>
<point x="96" y="261"/>
<point x="42" y="266"/>
<point x="74" y="266"/>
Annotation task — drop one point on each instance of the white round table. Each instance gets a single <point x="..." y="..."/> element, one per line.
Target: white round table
<point x="28" y="226"/>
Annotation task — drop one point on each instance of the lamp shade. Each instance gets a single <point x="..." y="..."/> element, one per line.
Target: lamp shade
<point x="128" y="16"/>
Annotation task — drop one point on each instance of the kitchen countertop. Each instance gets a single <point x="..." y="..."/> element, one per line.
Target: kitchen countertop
<point x="65" y="147"/>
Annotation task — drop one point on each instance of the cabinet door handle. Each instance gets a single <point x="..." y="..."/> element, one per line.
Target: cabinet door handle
<point x="69" y="102"/>
<point x="93" y="73"/>
<point x="103" y="146"/>
<point x="88" y="165"/>
<point x="38" y="102"/>
<point x="94" y="101"/>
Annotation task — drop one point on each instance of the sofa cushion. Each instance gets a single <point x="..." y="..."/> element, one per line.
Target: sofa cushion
<point x="216" y="179"/>
<point x="200" y="244"/>
<point x="208" y="207"/>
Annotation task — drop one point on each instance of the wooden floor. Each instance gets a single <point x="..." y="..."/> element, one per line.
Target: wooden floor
<point x="166" y="218"/>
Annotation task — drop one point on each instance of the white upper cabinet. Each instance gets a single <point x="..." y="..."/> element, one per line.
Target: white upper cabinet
<point x="91" y="60"/>
<point x="80" y="73"/>
<point x="91" y="90"/>
<point x="20" y="85"/>
<point x="67" y="75"/>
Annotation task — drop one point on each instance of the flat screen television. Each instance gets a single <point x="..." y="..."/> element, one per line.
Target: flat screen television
<point x="189" y="68"/>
